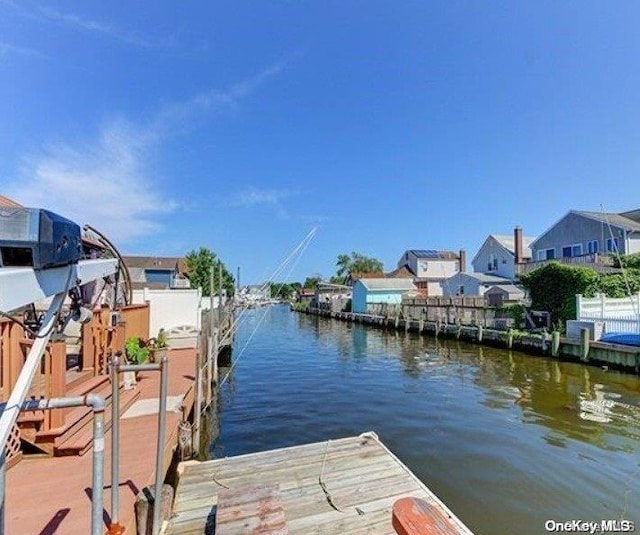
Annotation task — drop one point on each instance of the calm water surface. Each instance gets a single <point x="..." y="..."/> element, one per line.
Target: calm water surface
<point x="505" y="439"/>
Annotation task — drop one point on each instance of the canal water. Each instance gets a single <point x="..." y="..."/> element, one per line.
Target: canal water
<point x="506" y="440"/>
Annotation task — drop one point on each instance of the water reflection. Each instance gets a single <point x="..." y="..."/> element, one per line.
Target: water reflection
<point x="573" y="401"/>
<point x="504" y="438"/>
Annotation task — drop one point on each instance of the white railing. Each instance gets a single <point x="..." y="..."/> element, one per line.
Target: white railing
<point x="589" y="258"/>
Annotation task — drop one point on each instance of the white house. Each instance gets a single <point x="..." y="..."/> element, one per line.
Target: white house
<point x="499" y="254"/>
<point x="430" y="268"/>
<point x="471" y="284"/>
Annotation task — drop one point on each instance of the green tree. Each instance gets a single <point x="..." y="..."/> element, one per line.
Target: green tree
<point x="312" y="282"/>
<point x="619" y="284"/>
<point x="284" y="290"/>
<point x="553" y="288"/>
<point x="199" y="265"/>
<point x="357" y="263"/>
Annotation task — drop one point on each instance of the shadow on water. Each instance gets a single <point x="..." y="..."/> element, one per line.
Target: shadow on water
<point x="504" y="438"/>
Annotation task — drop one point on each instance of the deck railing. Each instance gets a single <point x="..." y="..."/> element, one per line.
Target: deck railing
<point x="593" y="259"/>
<point x="107" y="332"/>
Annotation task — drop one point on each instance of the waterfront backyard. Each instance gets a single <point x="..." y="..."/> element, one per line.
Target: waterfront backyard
<point x="506" y="440"/>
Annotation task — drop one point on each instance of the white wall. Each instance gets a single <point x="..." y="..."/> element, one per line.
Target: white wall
<point x="170" y="308"/>
<point x="205" y="302"/>
<point x="432" y="268"/>
<point x="634" y="245"/>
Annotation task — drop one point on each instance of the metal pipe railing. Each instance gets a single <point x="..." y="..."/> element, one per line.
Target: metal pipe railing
<point x="116" y="368"/>
<point x="97" y="403"/>
<point x="115" y="528"/>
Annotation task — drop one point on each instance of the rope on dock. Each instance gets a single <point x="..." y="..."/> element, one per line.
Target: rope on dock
<point x="213" y="477"/>
<point x="323" y="486"/>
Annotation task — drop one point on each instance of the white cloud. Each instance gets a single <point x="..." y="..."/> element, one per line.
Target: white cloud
<point x="7" y="48"/>
<point x="103" y="183"/>
<point x="74" y="21"/>
<point x="252" y="197"/>
<point x="106" y="182"/>
<point x="49" y="15"/>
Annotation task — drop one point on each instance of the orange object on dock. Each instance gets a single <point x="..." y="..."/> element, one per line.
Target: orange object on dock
<point x="412" y="516"/>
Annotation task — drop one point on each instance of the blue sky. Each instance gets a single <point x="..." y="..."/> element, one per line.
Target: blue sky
<point x="389" y="125"/>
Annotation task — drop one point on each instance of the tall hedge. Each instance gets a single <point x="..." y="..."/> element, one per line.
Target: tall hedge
<point x="553" y="288"/>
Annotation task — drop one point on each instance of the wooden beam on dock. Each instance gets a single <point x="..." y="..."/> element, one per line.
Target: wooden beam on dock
<point x="337" y="486"/>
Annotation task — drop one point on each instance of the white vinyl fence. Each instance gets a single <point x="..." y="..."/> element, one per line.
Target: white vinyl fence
<point x="619" y="314"/>
<point x="169" y="309"/>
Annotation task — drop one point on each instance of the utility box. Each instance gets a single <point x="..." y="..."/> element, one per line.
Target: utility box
<point x="596" y="329"/>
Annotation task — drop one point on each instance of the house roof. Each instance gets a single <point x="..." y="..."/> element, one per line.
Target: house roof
<point x="432" y="253"/>
<point x="617" y="220"/>
<point x="508" y="242"/>
<point x="6" y="202"/>
<point x="483" y="277"/>
<point x="357" y="276"/>
<point x="511" y="289"/>
<point x="388" y="284"/>
<point x="156" y="262"/>
<point x="622" y="220"/>
<point x="402" y="272"/>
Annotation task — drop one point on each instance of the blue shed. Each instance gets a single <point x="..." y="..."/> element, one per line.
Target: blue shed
<point x="369" y="291"/>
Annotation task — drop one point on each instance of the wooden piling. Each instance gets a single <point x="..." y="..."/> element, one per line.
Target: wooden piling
<point x="584" y="344"/>
<point x="555" y="344"/>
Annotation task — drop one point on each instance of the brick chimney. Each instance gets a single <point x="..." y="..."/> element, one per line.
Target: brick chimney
<point x="518" y="251"/>
<point x="463" y="261"/>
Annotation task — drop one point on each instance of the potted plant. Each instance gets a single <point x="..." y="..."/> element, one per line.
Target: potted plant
<point x="135" y="350"/>
<point x="158" y="346"/>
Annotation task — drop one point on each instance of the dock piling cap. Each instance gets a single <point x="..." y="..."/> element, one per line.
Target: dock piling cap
<point x="412" y="516"/>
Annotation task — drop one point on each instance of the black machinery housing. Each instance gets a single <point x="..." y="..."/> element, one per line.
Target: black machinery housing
<point x="38" y="238"/>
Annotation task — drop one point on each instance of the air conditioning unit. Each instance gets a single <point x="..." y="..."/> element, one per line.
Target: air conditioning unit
<point x="38" y="238"/>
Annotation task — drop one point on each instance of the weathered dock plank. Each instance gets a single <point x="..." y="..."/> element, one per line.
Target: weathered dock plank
<point x="339" y="486"/>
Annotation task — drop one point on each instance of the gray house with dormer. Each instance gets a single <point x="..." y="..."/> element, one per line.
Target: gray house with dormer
<point x="582" y="234"/>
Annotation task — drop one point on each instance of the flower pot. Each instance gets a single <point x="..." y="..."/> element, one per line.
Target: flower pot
<point x="156" y="355"/>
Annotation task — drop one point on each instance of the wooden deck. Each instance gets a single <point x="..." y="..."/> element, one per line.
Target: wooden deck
<point x="52" y="495"/>
<point x="342" y="486"/>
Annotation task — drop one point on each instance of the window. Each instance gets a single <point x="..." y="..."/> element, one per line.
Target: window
<point x="493" y="262"/>
<point x="572" y="250"/>
<point x="460" y="290"/>
<point x="549" y="254"/>
<point x="592" y="246"/>
<point x="612" y="245"/>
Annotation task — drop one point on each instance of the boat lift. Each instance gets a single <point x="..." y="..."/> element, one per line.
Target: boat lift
<point x="20" y="287"/>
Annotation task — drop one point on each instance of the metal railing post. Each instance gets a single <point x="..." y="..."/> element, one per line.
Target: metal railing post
<point x="115" y="528"/>
<point x="162" y="421"/>
<point x="97" y="479"/>
<point x="97" y="403"/>
<point x="197" y="409"/>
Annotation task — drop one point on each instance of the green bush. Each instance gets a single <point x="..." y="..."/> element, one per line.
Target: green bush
<point x="553" y="288"/>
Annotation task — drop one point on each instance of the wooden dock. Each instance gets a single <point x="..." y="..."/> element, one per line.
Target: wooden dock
<point x="341" y="486"/>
